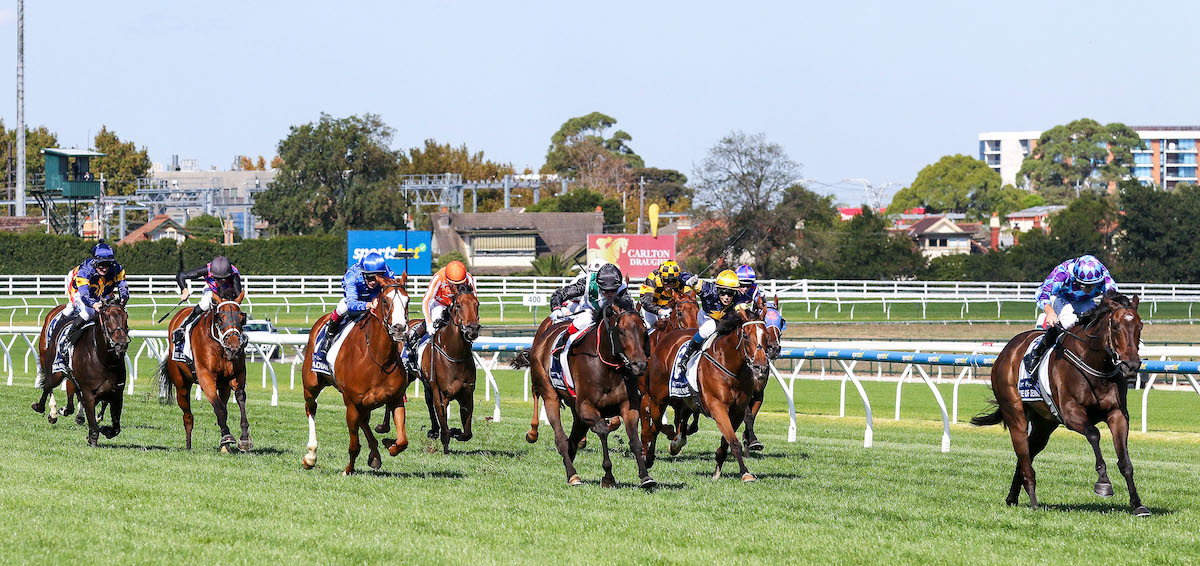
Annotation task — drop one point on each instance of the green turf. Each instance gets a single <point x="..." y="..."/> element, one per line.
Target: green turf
<point x="141" y="498"/>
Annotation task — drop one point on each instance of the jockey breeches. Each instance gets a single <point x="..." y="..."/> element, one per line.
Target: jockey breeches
<point x="1068" y="311"/>
<point x="707" y="325"/>
<point x="78" y="306"/>
<point x="649" y="317"/>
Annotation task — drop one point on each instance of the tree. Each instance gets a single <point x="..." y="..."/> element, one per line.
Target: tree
<point x="667" y="186"/>
<point x="337" y="174"/>
<point x="866" y="250"/>
<point x="551" y="265"/>
<point x="1159" y="233"/>
<point x="122" y="163"/>
<point x="584" y="200"/>
<point x="580" y="150"/>
<point x="744" y="172"/>
<point x="244" y="163"/>
<point x="435" y="159"/>
<point x="36" y="140"/>
<point x="1081" y="155"/>
<point x="444" y="259"/>
<point x="260" y="164"/>
<point x="958" y="183"/>
<point x="209" y="227"/>
<point x="276" y="162"/>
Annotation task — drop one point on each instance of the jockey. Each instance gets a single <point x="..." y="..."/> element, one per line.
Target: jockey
<point x="747" y="282"/>
<point x="447" y="282"/>
<point x="562" y="311"/>
<point x="717" y="299"/>
<point x="1070" y="290"/>
<point x="92" y="282"/>
<point x="658" y="290"/>
<point x="220" y="278"/>
<point x="359" y="287"/>
<point x="607" y="287"/>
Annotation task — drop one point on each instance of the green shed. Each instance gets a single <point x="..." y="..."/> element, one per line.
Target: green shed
<point x="69" y="171"/>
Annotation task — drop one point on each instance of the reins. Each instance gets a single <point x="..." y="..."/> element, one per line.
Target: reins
<point x="741" y="338"/>
<point x="1113" y="358"/>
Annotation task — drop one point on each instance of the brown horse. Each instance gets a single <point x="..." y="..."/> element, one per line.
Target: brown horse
<point x="218" y="366"/>
<point x="727" y="374"/>
<point x="606" y="363"/>
<point x="368" y="371"/>
<point x="1089" y="374"/>
<point x="684" y="310"/>
<point x="774" y="338"/>
<point x="448" y="370"/>
<point x="98" y="367"/>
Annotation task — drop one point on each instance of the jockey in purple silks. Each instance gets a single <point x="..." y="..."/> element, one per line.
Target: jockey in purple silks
<point x="1071" y="290"/>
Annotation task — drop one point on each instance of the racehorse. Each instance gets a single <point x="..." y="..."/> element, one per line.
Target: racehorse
<point x="606" y="363"/>
<point x="448" y="370"/>
<point x="97" y="367"/>
<point x="218" y="366"/>
<point x="728" y="373"/>
<point x="774" y="337"/>
<point x="1089" y="377"/>
<point x="368" y="371"/>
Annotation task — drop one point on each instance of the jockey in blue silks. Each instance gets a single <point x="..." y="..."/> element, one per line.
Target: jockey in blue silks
<point x="1071" y="290"/>
<point x="717" y="299"/>
<point x="747" y="280"/>
<point x="359" y="288"/>
<point x="95" y="280"/>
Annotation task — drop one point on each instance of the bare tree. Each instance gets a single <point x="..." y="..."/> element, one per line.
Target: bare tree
<point x="744" y="172"/>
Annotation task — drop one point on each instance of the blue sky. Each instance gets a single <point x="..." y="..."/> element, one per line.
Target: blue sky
<point x="872" y="90"/>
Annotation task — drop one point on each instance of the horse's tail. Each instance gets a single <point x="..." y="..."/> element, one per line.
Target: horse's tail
<point x="40" y="381"/>
<point x="989" y="419"/>
<point x="166" y="387"/>
<point x="521" y="361"/>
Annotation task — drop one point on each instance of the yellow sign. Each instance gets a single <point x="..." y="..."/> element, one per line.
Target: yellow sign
<point x="653" y="212"/>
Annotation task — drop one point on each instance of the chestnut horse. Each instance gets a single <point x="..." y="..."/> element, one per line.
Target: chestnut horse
<point x="606" y="363"/>
<point x="368" y="371"/>
<point x="1089" y="378"/>
<point x="774" y="338"/>
<point x="218" y="367"/>
<point x="728" y="373"/>
<point x="98" y="367"/>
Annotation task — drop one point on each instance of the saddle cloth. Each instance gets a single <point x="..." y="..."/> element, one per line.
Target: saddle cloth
<point x="331" y="355"/>
<point x="560" y="371"/>
<point x="685" y="386"/>
<point x="1037" y="388"/>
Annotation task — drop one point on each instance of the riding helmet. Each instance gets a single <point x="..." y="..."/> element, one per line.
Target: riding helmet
<point x="609" y="278"/>
<point x="746" y="275"/>
<point x="595" y="265"/>
<point x="220" y="267"/>
<point x="373" y="263"/>
<point x="669" y="270"/>
<point x="727" y="279"/>
<point x="1088" y="270"/>
<point x="456" y="272"/>
<point x="103" y="253"/>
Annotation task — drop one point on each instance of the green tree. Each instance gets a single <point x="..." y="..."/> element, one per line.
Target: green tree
<point x="122" y="163"/>
<point x="443" y="259"/>
<point x="337" y="174"/>
<point x="665" y="186"/>
<point x="437" y="158"/>
<point x="867" y="250"/>
<point x="1081" y="155"/>
<point x="744" y="172"/>
<point x="551" y="265"/>
<point x="1159" y="233"/>
<point x="584" y="200"/>
<point x="36" y="140"/>
<point x="958" y="183"/>
<point x="209" y="227"/>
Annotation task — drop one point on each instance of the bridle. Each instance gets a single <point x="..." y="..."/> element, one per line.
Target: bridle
<point x="114" y="346"/>
<point x="225" y="323"/>
<point x="609" y="327"/>
<point x="384" y="320"/>
<point x="456" y="321"/>
<point x="1112" y="356"/>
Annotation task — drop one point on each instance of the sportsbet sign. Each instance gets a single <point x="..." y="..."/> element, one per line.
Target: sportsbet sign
<point x="403" y="249"/>
<point x="636" y="254"/>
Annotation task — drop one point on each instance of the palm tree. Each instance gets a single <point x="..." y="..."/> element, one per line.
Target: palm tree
<point x="551" y="265"/>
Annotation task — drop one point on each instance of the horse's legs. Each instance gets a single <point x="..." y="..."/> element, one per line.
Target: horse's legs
<point x="579" y="430"/>
<point x="385" y="425"/>
<point x="89" y="408"/>
<point x="721" y="453"/>
<point x="532" y="435"/>
<point x="1103" y="485"/>
<point x="1118" y="424"/>
<point x="729" y="435"/>
<point x="355" y="447"/>
<point x="218" y="397"/>
<point x="601" y="430"/>
<point x="681" y="429"/>
<point x="1022" y="435"/>
<point x="239" y="394"/>
<point x="631" y="414"/>
<point x="441" y="404"/>
<point x="565" y="449"/>
<point x="116" y="402"/>
<point x="430" y="402"/>
<point x="374" y="461"/>
<point x="310" y="408"/>
<point x="748" y="436"/>
<point x="183" y="396"/>
<point x="401" y="442"/>
<point x="651" y="417"/>
<point x="466" y="408"/>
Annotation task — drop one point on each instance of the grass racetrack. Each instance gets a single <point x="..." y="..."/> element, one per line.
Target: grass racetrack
<point x="142" y="498"/>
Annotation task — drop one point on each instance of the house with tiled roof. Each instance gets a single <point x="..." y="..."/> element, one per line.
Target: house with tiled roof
<point x="19" y="223"/>
<point x="506" y="242"/>
<point x="158" y="228"/>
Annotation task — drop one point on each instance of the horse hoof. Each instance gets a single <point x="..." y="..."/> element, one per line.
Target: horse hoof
<point x="606" y="482"/>
<point x="748" y="477"/>
<point x="1141" y="511"/>
<point x="38" y="408"/>
<point x="463" y="437"/>
<point x="455" y="433"/>
<point x="1103" y="489"/>
<point x="717" y="474"/>
<point x="531" y="437"/>
<point x="109" y="432"/>
<point x="78" y="419"/>
<point x="245" y="445"/>
<point x="309" y="461"/>
<point x="381" y="427"/>
<point x="395" y="449"/>
<point x="224" y="449"/>
<point x="574" y="481"/>
<point x="582" y="444"/>
<point x="648" y="482"/>
<point x="755" y="445"/>
<point x="433" y="433"/>
<point x="375" y="462"/>
<point x="52" y="418"/>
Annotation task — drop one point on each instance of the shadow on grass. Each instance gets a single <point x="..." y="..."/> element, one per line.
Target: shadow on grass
<point x="437" y="475"/>
<point x="1102" y="507"/>
<point x="710" y="456"/>
<point x="512" y="454"/>
<point x="732" y="473"/>
<point x="142" y="447"/>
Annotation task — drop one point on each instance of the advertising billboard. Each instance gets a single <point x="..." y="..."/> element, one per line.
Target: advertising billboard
<point x="403" y="249"/>
<point x="636" y="254"/>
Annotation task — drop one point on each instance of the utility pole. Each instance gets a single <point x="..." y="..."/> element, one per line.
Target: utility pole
<point x="641" y="202"/>
<point x="20" y="107"/>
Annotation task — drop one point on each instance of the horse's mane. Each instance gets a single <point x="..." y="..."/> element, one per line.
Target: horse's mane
<point x="729" y="323"/>
<point x="1103" y="309"/>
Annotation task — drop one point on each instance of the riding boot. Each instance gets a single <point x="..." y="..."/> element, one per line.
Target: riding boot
<point x="63" y="346"/>
<point x="178" y="336"/>
<point x="332" y="328"/>
<point x="1048" y="340"/>
<point x="692" y="347"/>
<point x="415" y="334"/>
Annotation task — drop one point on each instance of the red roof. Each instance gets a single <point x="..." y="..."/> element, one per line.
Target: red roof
<point x="145" y="230"/>
<point x="18" y="223"/>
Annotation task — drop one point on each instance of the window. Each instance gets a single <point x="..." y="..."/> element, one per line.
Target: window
<point x="1025" y="146"/>
<point x="1145" y="158"/>
<point x="504" y="244"/>
<point x="1143" y="172"/>
<point x="1186" y="144"/>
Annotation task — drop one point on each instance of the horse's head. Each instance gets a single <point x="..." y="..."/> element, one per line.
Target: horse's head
<point x="1124" y="333"/>
<point x="775" y="326"/>
<point x="228" y="321"/>
<point x="752" y="341"/>
<point x="685" y="310"/>
<point x="392" y="306"/>
<point x="114" y="322"/>
<point x="628" y="339"/>
<point x="465" y="315"/>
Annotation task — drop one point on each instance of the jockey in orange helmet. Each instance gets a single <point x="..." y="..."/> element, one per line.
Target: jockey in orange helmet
<point x="447" y="282"/>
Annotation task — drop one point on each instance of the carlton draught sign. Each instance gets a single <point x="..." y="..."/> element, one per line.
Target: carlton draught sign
<point x="636" y="254"/>
<point x="403" y="249"/>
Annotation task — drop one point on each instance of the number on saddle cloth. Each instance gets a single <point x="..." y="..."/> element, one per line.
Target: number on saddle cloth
<point x="559" y="373"/>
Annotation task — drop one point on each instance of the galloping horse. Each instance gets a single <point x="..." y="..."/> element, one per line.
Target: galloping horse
<point x="606" y="363"/>
<point x="1089" y="378"/>
<point x="774" y="337"/>
<point x="448" y="370"/>
<point x="728" y="373"/>
<point x="368" y="371"/>
<point x="218" y="367"/>
<point x="98" y="367"/>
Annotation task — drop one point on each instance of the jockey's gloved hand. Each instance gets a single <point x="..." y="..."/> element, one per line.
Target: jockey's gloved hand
<point x="693" y="281"/>
<point x="664" y="312"/>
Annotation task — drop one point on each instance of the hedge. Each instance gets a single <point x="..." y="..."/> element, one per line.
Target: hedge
<point x="37" y="254"/>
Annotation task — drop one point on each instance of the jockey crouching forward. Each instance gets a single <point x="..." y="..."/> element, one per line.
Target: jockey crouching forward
<point x="360" y="286"/>
<point x="717" y="299"/>
<point x="606" y="288"/>
<point x="1070" y="290"/>
<point x="94" y="281"/>
<point x="446" y="283"/>
<point x="569" y="307"/>
<point x="220" y="278"/>
<point x="658" y="290"/>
